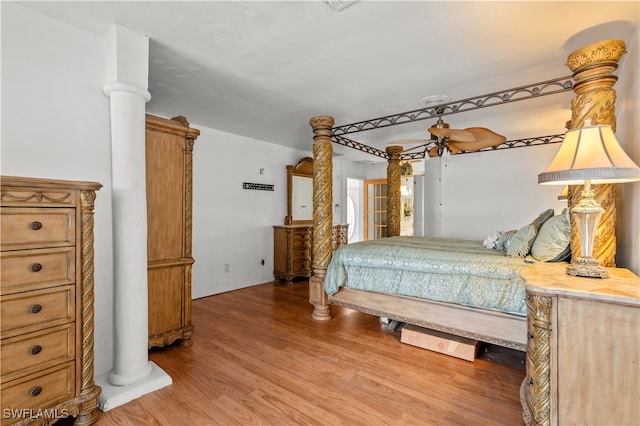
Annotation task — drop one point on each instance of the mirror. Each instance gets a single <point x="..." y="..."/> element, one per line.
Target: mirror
<point x="300" y="193"/>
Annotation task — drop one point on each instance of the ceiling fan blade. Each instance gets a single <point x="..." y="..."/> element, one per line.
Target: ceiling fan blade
<point x="453" y="134"/>
<point x="453" y="149"/>
<point x="433" y="152"/>
<point x="489" y="136"/>
<point x="485" y="138"/>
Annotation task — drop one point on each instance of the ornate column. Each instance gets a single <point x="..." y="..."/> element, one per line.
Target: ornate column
<point x="322" y="214"/>
<point x="393" y="191"/>
<point x="592" y="68"/>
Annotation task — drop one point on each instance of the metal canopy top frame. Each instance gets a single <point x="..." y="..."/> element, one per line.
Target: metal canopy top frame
<point x="548" y="87"/>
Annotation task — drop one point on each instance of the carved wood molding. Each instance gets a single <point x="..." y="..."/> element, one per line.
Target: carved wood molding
<point x="592" y="67"/>
<point x="539" y="398"/>
<point x="175" y="126"/>
<point x="38" y="197"/>
<point x="303" y="168"/>
<point x="188" y="194"/>
<point x="322" y="190"/>
<point x="87" y="241"/>
<point x="394" y="180"/>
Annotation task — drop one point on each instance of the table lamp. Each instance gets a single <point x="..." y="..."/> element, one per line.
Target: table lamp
<point x="589" y="154"/>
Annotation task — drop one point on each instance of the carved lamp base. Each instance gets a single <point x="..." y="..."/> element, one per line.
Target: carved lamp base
<point x="586" y="214"/>
<point x="587" y="267"/>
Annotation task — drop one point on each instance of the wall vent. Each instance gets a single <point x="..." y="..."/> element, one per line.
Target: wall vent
<point x="257" y="186"/>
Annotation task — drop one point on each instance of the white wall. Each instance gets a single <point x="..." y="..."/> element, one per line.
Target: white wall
<point x="232" y="225"/>
<point x="55" y="124"/>
<point x="628" y="133"/>
<point x="472" y="195"/>
<point x="494" y="191"/>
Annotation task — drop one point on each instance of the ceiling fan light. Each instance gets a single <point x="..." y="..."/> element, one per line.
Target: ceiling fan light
<point x="440" y="124"/>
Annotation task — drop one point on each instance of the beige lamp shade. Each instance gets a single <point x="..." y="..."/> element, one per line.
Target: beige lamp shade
<point x="564" y="194"/>
<point x="590" y="153"/>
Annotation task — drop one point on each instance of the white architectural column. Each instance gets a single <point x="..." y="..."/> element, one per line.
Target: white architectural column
<point x="127" y="58"/>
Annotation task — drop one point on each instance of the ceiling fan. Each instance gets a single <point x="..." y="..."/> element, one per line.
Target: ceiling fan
<point x="445" y="140"/>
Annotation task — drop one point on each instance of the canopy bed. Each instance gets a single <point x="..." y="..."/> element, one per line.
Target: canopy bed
<point x="592" y="82"/>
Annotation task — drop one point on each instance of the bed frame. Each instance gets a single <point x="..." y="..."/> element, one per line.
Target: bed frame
<point x="595" y="99"/>
<point x="478" y="324"/>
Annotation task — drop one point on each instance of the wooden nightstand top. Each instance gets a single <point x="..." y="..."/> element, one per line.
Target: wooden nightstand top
<point x="550" y="278"/>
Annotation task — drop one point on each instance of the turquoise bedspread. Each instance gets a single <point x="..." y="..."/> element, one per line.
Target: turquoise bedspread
<point x="441" y="269"/>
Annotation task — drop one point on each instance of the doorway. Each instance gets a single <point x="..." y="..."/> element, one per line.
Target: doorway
<point x="355" y="209"/>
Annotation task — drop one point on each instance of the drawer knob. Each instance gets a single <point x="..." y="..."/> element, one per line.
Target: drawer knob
<point x="530" y="335"/>
<point x="35" y="391"/>
<point x="35" y="349"/>
<point x="36" y="267"/>
<point x="35" y="225"/>
<point x="34" y="309"/>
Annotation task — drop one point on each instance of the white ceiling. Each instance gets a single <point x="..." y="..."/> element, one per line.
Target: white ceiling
<point x="262" y="68"/>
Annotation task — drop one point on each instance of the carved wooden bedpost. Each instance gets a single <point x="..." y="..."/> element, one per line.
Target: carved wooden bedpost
<point x="322" y="214"/>
<point x="393" y="191"/>
<point x="592" y="68"/>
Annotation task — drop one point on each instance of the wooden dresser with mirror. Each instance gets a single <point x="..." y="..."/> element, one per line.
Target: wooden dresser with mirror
<point x="293" y="241"/>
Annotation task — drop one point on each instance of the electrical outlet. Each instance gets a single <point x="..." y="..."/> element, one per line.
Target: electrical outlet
<point x="226" y="268"/>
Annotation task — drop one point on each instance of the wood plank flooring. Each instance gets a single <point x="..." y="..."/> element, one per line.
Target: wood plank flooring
<point x="259" y="359"/>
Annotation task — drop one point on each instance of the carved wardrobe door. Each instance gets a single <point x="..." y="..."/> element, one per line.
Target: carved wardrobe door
<point x="169" y="168"/>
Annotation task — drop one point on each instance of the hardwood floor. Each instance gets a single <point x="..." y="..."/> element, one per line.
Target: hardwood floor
<point x="259" y="359"/>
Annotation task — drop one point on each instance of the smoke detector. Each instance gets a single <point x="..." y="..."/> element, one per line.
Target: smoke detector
<point x="338" y="5"/>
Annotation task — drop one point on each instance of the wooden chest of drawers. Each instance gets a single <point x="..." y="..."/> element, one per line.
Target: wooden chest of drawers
<point x="46" y="299"/>
<point x="293" y="245"/>
<point x="582" y="348"/>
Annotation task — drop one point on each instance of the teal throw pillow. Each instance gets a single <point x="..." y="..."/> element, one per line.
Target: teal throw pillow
<point x="553" y="242"/>
<point x="521" y="242"/>
<point x="542" y="218"/>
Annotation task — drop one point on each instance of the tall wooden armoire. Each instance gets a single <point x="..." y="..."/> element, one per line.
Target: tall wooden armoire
<point x="169" y="162"/>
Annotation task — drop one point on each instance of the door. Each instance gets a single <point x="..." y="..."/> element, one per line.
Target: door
<point x="406" y="206"/>
<point x="375" y="209"/>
